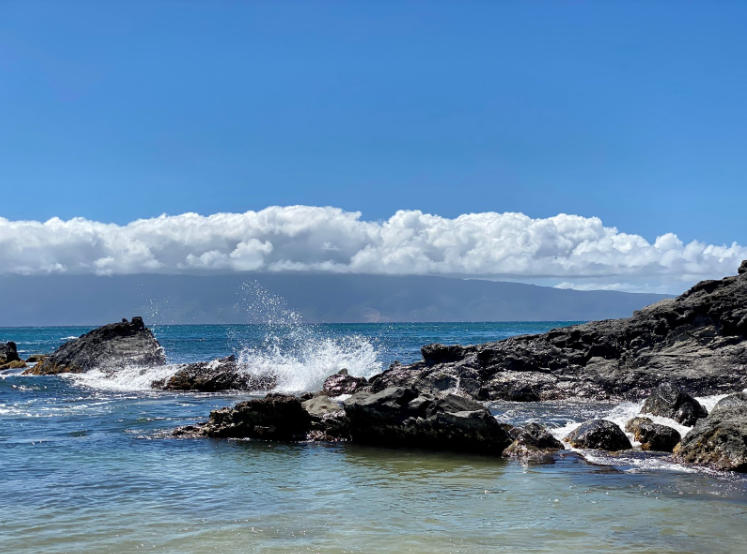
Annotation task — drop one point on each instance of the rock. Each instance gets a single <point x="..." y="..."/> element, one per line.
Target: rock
<point x="219" y="375"/>
<point x="400" y="416"/>
<point x="533" y="441"/>
<point x="322" y="405"/>
<point x="15" y="364"/>
<point x="732" y="401"/>
<point x="36" y="358"/>
<point x="108" y="348"/>
<point x="718" y="441"/>
<point x="599" y="434"/>
<point x="697" y="342"/>
<point x="653" y="436"/>
<point x="343" y="383"/>
<point x="742" y="268"/>
<point x="275" y="417"/>
<point x="668" y="400"/>
<point x="8" y="353"/>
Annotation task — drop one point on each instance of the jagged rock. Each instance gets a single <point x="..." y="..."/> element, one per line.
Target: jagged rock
<point x="668" y="400"/>
<point x="15" y="364"/>
<point x="742" y="268"/>
<point x="533" y="441"/>
<point x="275" y="417"/>
<point x="599" y="434"/>
<point x="8" y="353"/>
<point x="697" y="341"/>
<point x="219" y="375"/>
<point x="343" y="383"/>
<point x="738" y="400"/>
<point x="328" y="421"/>
<point x="718" y="441"/>
<point x="108" y="348"/>
<point x="653" y="436"/>
<point x="400" y="416"/>
<point x="36" y="358"/>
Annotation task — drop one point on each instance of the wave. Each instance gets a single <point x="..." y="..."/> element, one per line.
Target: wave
<point x="68" y="338"/>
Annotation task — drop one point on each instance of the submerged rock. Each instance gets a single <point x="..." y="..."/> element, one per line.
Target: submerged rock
<point x="718" y="441"/>
<point x="400" y="416"/>
<point x="697" y="341"/>
<point x="219" y="375"/>
<point x="534" y="442"/>
<point x="668" y="400"/>
<point x="110" y="347"/>
<point x="343" y="383"/>
<point x="599" y="434"/>
<point x="653" y="436"/>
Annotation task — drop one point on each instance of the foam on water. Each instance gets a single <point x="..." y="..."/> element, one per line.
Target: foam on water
<point x="131" y="378"/>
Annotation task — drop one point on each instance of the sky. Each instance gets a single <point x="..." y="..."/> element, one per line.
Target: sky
<point x="628" y="117"/>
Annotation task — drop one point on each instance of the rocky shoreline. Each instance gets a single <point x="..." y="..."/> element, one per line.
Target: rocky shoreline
<point x="695" y="344"/>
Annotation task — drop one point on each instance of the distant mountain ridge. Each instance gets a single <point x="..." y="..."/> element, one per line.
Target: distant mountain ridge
<point x="258" y="298"/>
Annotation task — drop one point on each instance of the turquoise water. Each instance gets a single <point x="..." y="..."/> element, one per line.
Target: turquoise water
<point x="88" y="466"/>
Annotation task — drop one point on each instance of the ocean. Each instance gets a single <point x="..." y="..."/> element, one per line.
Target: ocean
<point x="88" y="465"/>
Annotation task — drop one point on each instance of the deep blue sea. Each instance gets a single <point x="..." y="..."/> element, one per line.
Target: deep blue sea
<point x="87" y="465"/>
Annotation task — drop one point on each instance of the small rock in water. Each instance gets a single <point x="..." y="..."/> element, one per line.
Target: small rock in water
<point x="653" y="436"/>
<point x="668" y="400"/>
<point x="534" y="442"/>
<point x="9" y="356"/>
<point x="738" y="400"/>
<point x="599" y="434"/>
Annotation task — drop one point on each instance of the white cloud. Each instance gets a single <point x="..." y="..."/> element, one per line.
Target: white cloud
<point x="575" y="251"/>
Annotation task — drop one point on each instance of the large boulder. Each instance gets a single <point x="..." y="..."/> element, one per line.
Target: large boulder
<point x="343" y="383"/>
<point x="400" y="416"/>
<point x="533" y="442"/>
<point x="668" y="400"/>
<point x="219" y="375"/>
<point x="275" y="417"/>
<point x="653" y="436"/>
<point x="108" y="348"/>
<point x="9" y="356"/>
<point x="697" y="341"/>
<point x="599" y="434"/>
<point x="718" y="441"/>
<point x="738" y="400"/>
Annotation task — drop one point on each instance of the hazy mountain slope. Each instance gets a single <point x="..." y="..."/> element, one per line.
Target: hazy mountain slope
<point x="67" y="300"/>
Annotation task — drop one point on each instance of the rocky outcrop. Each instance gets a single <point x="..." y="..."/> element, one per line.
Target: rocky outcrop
<point x="718" y="441"/>
<point x="9" y="356"/>
<point x="599" y="434"/>
<point x="697" y="342"/>
<point x="219" y="375"/>
<point x="275" y="417"/>
<point x="343" y="383"/>
<point x="668" y="400"/>
<point x="738" y="400"/>
<point x="36" y="358"/>
<point x="108" y="348"/>
<point x="407" y="417"/>
<point x="532" y="442"/>
<point x="653" y="436"/>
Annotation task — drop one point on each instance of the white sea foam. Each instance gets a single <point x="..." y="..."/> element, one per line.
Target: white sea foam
<point x="125" y="379"/>
<point x="71" y="337"/>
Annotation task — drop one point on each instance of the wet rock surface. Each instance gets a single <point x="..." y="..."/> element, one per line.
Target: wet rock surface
<point x="697" y="342"/>
<point x="533" y="442"/>
<point x="738" y="400"/>
<point x="9" y="356"/>
<point x="599" y="434"/>
<point x="668" y="400"/>
<point x="343" y="383"/>
<point x="718" y="441"/>
<point x="111" y="347"/>
<point x="653" y="436"/>
<point x="219" y="375"/>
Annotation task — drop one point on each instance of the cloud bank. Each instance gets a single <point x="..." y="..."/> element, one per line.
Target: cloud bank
<point x="565" y="250"/>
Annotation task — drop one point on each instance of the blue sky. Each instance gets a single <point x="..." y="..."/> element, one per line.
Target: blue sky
<point x="632" y="112"/>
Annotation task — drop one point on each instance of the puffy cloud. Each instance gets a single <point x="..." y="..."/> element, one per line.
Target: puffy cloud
<point x="566" y="250"/>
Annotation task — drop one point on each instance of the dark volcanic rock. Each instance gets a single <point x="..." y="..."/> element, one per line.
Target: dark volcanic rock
<point x="343" y="383"/>
<point x="697" y="341"/>
<point x="109" y="347"/>
<point x="533" y="441"/>
<point x="671" y="401"/>
<point x="718" y="441"/>
<point x="738" y="400"/>
<point x="8" y="352"/>
<point x="406" y="417"/>
<point x="328" y="419"/>
<point x="275" y="417"/>
<point x="653" y="436"/>
<point x="599" y="434"/>
<point x="218" y="375"/>
<point x="36" y="358"/>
